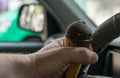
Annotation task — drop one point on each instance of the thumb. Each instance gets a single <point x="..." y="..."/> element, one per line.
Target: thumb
<point x="79" y="55"/>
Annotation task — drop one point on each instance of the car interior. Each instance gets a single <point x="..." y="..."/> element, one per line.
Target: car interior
<point x="57" y="19"/>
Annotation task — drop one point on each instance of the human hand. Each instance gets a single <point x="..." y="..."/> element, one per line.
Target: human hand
<point x="53" y="60"/>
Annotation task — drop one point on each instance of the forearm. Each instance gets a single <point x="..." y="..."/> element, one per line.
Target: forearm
<point x="14" y="66"/>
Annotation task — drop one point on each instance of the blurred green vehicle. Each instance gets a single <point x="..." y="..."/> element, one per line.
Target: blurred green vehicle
<point x="10" y="31"/>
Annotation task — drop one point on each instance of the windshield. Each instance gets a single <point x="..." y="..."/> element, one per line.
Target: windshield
<point x="99" y="10"/>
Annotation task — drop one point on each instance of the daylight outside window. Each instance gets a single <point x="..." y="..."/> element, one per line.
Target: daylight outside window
<point x="99" y="10"/>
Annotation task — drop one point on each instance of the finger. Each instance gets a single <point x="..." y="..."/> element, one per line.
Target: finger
<point x="59" y="41"/>
<point x="79" y="55"/>
<point x="56" y="43"/>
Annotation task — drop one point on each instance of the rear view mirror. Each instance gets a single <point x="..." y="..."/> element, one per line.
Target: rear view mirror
<point x="32" y="17"/>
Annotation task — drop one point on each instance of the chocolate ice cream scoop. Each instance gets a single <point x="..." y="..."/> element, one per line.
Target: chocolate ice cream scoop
<point x="77" y="34"/>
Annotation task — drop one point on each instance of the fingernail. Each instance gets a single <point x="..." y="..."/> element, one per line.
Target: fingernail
<point x="94" y="57"/>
